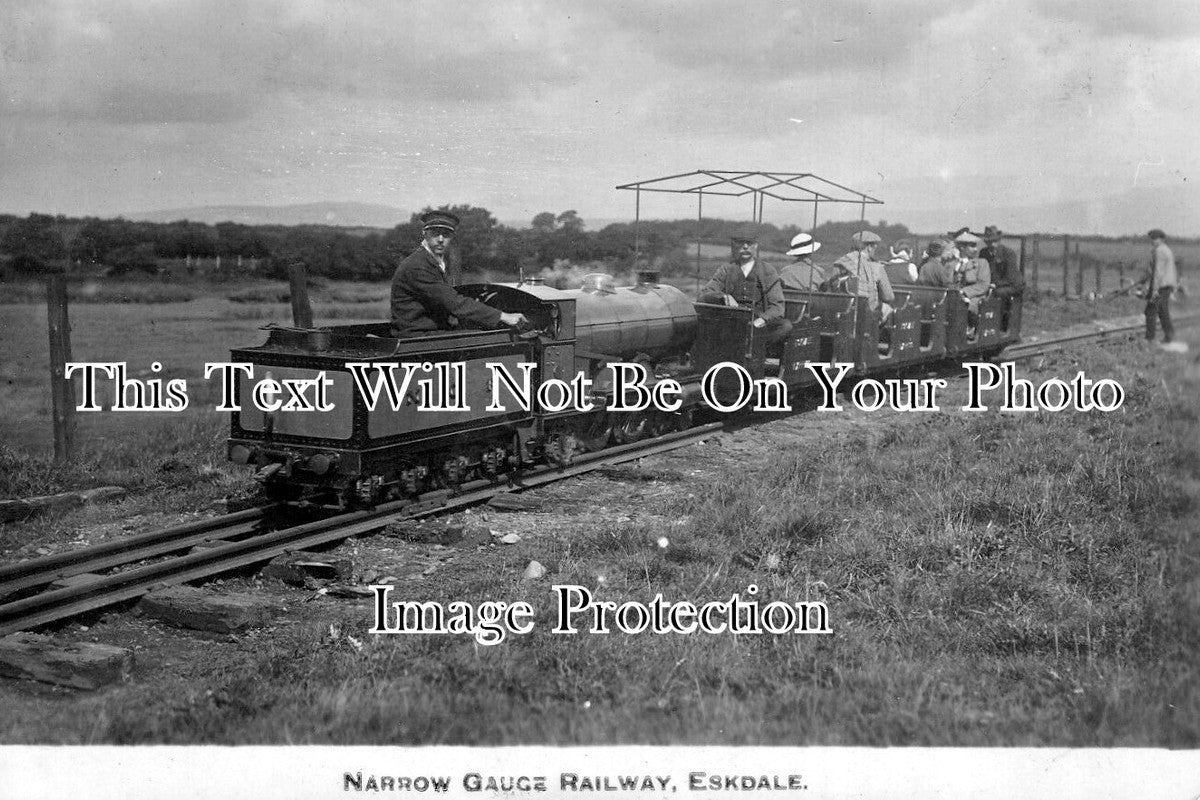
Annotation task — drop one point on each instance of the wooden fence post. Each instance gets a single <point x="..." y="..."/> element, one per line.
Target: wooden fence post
<point x="1036" y="256"/>
<point x="1078" y="272"/>
<point x="1099" y="279"/>
<point x="1066" y="264"/>
<point x="62" y="390"/>
<point x="301" y="309"/>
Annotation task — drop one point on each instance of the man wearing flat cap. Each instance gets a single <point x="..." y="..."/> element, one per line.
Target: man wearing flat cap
<point x="1006" y="273"/>
<point x="747" y="282"/>
<point x="873" y="283"/>
<point x="802" y="274"/>
<point x="423" y="296"/>
<point x="1160" y="280"/>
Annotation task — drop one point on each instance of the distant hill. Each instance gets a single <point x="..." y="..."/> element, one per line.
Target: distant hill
<point x="347" y="215"/>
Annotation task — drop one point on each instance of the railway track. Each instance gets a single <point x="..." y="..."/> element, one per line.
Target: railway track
<point x="235" y="541"/>
<point x="1107" y="331"/>
<point x="67" y="584"/>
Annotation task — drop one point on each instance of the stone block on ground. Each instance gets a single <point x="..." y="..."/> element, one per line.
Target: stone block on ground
<point x="426" y="531"/>
<point x="13" y="510"/>
<point x="295" y="568"/>
<point x="189" y="607"/>
<point x="102" y="493"/>
<point x="507" y="501"/>
<point x="82" y="665"/>
<point x="348" y="591"/>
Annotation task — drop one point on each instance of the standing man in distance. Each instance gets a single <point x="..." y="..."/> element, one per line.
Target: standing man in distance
<point x="1160" y="279"/>
<point x="423" y="296"/>
<point x="747" y="282"/>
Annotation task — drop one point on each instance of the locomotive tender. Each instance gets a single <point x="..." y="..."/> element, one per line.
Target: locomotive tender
<point x="358" y="455"/>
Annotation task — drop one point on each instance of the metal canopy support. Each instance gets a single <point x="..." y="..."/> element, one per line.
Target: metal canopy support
<point x="699" y="231"/>
<point x="803" y="187"/>
<point x="637" y="227"/>
<point x="793" y="187"/>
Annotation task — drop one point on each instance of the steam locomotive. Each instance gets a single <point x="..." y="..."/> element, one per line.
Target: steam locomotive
<point x="377" y="441"/>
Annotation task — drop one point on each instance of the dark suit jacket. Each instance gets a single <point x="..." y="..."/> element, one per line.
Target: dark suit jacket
<point x="761" y="289"/>
<point x="424" y="299"/>
<point x="1006" y="272"/>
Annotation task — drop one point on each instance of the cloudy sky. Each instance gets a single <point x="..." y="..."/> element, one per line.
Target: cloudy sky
<point x="943" y="109"/>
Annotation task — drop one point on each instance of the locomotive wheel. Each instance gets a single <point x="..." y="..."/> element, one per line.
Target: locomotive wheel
<point x="598" y="432"/>
<point x="630" y="429"/>
<point x="560" y="449"/>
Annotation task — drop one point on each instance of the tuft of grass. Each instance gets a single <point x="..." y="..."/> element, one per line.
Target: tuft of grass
<point x="168" y="455"/>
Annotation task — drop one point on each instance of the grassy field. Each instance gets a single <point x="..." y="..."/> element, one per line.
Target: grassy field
<point x="992" y="579"/>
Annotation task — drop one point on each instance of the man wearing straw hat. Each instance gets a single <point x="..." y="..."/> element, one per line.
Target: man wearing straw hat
<point x="973" y="276"/>
<point x="802" y="274"/>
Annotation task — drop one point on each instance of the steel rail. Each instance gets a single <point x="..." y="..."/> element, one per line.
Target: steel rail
<point x="44" y="571"/>
<point x="1030" y="349"/>
<point x="108" y="590"/>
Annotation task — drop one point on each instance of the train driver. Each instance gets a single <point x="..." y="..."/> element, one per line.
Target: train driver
<point x="423" y="295"/>
<point x="746" y="281"/>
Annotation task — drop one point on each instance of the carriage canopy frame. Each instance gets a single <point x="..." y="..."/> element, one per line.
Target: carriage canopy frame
<point x="792" y="187"/>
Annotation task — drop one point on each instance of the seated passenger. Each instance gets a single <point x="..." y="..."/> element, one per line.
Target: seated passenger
<point x="423" y="295"/>
<point x="938" y="267"/>
<point x="747" y="282"/>
<point x="971" y="274"/>
<point x="802" y="274"/>
<point x="899" y="267"/>
<point x="873" y="283"/>
<point x="1006" y="272"/>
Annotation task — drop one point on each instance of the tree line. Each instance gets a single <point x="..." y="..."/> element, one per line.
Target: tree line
<point x="41" y="242"/>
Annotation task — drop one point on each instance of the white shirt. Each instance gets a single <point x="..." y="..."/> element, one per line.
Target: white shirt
<point x="441" y="262"/>
<point x="749" y="265"/>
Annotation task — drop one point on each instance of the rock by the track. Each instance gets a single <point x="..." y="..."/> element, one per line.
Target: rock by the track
<point x="14" y="510"/>
<point x="82" y="665"/>
<point x="296" y="568"/>
<point x="189" y="607"/>
<point x="507" y="501"/>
